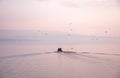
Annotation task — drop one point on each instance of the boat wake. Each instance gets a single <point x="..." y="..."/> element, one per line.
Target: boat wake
<point x="85" y="54"/>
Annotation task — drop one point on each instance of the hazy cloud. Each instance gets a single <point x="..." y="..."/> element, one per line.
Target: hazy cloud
<point x="0" y="0"/>
<point x="70" y="4"/>
<point x="118" y="2"/>
<point x="90" y="3"/>
<point x="43" y="0"/>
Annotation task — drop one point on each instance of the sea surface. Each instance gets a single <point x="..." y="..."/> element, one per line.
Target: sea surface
<point x="42" y="61"/>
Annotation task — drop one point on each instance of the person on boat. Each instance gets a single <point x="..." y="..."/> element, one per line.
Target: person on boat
<point x="59" y="50"/>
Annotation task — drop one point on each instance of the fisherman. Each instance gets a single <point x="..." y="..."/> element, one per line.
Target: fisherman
<point x="59" y="50"/>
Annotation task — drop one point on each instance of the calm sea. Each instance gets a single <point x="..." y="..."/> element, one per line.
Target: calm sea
<point x="41" y="61"/>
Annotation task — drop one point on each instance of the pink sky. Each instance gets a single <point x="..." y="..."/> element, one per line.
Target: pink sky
<point x="86" y="17"/>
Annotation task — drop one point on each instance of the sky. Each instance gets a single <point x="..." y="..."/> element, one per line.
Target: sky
<point x="84" y="17"/>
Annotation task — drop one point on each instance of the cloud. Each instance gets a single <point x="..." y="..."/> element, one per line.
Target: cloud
<point x="118" y="1"/>
<point x="70" y="4"/>
<point x="44" y="0"/>
<point x="0" y="0"/>
<point x="90" y="3"/>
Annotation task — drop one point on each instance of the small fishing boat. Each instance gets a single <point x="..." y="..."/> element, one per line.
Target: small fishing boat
<point x="59" y="50"/>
